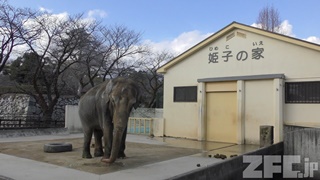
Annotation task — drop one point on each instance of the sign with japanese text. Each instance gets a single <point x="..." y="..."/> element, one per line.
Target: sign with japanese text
<point x="225" y="54"/>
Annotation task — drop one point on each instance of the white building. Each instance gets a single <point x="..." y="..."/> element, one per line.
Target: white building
<point x="240" y="78"/>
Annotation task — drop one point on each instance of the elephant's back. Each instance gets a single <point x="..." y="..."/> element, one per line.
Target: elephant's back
<point x="92" y="95"/>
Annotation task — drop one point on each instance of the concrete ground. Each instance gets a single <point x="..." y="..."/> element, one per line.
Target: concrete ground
<point x="148" y="158"/>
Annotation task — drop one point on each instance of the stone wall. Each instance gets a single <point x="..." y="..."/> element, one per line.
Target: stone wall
<point x="24" y="105"/>
<point x="14" y="104"/>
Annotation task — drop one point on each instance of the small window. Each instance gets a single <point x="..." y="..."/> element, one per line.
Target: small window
<point x="302" y="92"/>
<point x="185" y="94"/>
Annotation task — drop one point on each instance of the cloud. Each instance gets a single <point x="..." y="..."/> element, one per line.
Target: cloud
<point x="49" y="18"/>
<point x="43" y="40"/>
<point x="188" y="39"/>
<point x="285" y="28"/>
<point x="97" y="13"/>
<point x="179" y="44"/>
<point x="42" y="9"/>
<point x="256" y="25"/>
<point x="313" y="39"/>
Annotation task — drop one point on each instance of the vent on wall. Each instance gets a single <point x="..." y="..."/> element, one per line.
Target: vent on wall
<point x="236" y="33"/>
<point x="240" y="34"/>
<point x="230" y="36"/>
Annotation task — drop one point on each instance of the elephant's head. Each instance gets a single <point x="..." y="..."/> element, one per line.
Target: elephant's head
<point x="123" y="95"/>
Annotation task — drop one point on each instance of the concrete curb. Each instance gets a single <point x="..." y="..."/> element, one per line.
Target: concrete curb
<point x="32" y="132"/>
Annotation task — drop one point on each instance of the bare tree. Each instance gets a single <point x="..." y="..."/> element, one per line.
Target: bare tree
<point x="89" y="60"/>
<point x="12" y="22"/>
<point x="121" y="44"/>
<point x="110" y="52"/>
<point x="107" y="53"/>
<point x="269" y="19"/>
<point x="148" y="78"/>
<point x="57" y="41"/>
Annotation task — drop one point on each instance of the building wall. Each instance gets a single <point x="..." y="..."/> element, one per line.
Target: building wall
<point x="279" y="57"/>
<point x="297" y="63"/>
<point x="258" y="108"/>
<point x="181" y="118"/>
<point x="306" y="115"/>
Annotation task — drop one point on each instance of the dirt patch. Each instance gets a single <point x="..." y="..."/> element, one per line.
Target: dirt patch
<point x="138" y="155"/>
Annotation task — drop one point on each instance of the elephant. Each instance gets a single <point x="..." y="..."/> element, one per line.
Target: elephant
<point x="104" y="111"/>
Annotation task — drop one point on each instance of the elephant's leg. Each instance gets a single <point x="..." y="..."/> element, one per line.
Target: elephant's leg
<point x="107" y="138"/>
<point x="123" y="145"/>
<point x="86" y="144"/>
<point x="98" y="143"/>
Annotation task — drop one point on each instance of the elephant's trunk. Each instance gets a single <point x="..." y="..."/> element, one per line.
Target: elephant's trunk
<point x="120" y="121"/>
<point x="116" y="142"/>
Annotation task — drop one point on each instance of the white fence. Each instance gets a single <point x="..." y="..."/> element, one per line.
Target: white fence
<point x="146" y="125"/>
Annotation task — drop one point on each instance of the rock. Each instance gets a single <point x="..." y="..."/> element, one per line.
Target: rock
<point x="222" y="156"/>
<point x="217" y="156"/>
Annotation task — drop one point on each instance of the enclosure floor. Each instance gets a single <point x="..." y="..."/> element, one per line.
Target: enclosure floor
<point x="148" y="158"/>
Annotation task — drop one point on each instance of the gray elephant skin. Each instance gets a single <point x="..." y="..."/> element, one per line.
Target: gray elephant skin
<point x="104" y="111"/>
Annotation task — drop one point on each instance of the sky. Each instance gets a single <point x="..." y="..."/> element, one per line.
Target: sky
<point x="177" y="25"/>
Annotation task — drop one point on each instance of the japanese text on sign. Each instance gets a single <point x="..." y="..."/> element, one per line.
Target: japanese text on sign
<point x="227" y="54"/>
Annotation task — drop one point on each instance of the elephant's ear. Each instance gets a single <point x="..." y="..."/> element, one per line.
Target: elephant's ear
<point x="108" y="90"/>
<point x="138" y="98"/>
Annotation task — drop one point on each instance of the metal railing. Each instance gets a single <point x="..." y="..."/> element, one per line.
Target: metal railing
<point x="25" y="122"/>
<point x="140" y="126"/>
